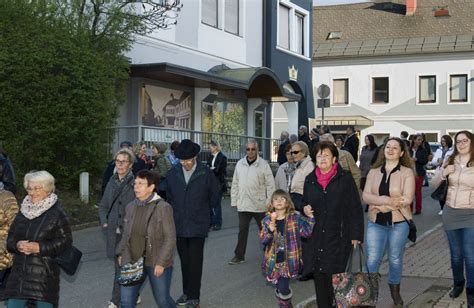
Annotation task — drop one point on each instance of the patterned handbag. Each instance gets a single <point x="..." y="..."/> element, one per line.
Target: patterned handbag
<point x="131" y="273"/>
<point x="356" y="288"/>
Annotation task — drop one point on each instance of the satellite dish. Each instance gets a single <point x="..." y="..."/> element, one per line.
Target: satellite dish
<point x="323" y="91"/>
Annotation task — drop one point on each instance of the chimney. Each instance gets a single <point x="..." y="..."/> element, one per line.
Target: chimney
<point x="410" y="7"/>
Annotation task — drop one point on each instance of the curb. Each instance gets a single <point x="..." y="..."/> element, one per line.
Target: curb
<point x="85" y="225"/>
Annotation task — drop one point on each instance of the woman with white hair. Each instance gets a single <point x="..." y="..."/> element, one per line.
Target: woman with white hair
<point x="40" y="232"/>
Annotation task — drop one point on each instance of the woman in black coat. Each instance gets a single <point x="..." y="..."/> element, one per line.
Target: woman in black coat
<point x="40" y="232"/>
<point x="335" y="200"/>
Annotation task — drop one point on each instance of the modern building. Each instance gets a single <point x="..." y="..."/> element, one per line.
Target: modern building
<point x="397" y="65"/>
<point x="220" y="70"/>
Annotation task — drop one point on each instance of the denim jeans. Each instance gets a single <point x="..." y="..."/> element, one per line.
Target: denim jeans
<point x="160" y="287"/>
<point x="461" y="246"/>
<point x="392" y="238"/>
<point x="21" y="303"/>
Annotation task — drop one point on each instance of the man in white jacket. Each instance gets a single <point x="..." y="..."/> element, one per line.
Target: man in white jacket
<point x="252" y="188"/>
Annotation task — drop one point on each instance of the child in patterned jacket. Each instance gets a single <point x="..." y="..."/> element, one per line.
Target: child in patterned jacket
<point x="282" y="229"/>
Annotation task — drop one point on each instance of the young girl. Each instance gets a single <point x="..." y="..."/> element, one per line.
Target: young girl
<point x="282" y="228"/>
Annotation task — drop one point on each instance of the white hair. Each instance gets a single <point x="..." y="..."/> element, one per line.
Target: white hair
<point x="44" y="178"/>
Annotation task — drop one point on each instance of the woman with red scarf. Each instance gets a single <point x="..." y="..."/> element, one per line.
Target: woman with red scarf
<point x="339" y="223"/>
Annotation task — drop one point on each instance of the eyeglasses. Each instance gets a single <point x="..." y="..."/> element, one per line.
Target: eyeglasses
<point x="463" y="141"/>
<point x="121" y="162"/>
<point x="294" y="152"/>
<point x="187" y="161"/>
<point x="35" y="189"/>
<point x="251" y="149"/>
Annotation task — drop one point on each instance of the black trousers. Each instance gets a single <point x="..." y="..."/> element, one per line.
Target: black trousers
<point x="324" y="290"/>
<point x="244" y="223"/>
<point x="191" y="252"/>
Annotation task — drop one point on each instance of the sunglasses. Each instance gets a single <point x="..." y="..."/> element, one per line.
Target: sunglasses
<point x="294" y="152"/>
<point x="251" y="149"/>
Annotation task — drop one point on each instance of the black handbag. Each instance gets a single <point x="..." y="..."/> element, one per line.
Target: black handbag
<point x="441" y="191"/>
<point x="411" y="227"/>
<point x="69" y="260"/>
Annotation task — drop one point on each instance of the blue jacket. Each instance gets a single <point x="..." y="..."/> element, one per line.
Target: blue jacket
<point x="192" y="202"/>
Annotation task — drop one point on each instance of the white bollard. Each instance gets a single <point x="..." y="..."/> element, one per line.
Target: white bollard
<point x="84" y="187"/>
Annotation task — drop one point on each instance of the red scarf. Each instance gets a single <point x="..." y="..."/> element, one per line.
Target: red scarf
<point x="324" y="178"/>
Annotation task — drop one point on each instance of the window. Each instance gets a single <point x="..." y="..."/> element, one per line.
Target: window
<point x="340" y="91"/>
<point x="232" y="16"/>
<point x="458" y="88"/>
<point x="380" y="90"/>
<point x="284" y="27"/>
<point x="293" y="28"/>
<point x="299" y="37"/>
<point x="223" y="117"/>
<point x="427" y="89"/>
<point x="209" y="12"/>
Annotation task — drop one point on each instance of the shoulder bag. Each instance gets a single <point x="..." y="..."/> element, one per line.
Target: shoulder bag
<point x="356" y="288"/>
<point x="132" y="273"/>
<point x="441" y="191"/>
<point x="412" y="228"/>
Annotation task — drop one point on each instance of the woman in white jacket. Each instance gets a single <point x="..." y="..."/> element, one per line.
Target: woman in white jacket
<point x="304" y="166"/>
<point x="441" y="155"/>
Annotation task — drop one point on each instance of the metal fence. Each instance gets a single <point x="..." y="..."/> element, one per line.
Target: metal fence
<point x="233" y="146"/>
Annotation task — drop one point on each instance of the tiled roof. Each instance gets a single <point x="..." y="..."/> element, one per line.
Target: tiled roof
<point x="378" y="29"/>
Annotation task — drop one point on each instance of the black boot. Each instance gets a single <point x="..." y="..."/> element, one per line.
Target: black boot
<point x="457" y="289"/>
<point x="470" y="297"/>
<point x="395" y="293"/>
<point x="284" y="301"/>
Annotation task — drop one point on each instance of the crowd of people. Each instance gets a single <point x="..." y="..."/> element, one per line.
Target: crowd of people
<point x="309" y="215"/>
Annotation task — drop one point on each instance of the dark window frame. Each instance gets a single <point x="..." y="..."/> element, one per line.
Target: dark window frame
<point x="451" y="88"/>
<point x="422" y="101"/>
<point x="346" y="89"/>
<point x="238" y="19"/>
<point x="374" y="91"/>
<point x="217" y="16"/>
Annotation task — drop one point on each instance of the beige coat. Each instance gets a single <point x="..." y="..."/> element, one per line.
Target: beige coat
<point x="402" y="183"/>
<point x="252" y="186"/>
<point x="347" y="163"/>
<point x="8" y="211"/>
<point x="297" y="182"/>
<point x="461" y="186"/>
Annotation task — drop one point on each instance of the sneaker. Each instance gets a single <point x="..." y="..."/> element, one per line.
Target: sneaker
<point x="236" y="260"/>
<point x="440" y="212"/>
<point x="194" y="303"/>
<point x="182" y="300"/>
<point x="139" y="300"/>
<point x="111" y="305"/>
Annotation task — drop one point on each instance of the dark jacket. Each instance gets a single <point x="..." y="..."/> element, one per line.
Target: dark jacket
<point x="36" y="276"/>
<point x="338" y="220"/>
<point x="220" y="169"/>
<point x="192" y="202"/>
<point x="352" y="146"/>
<point x="114" y="219"/>
<point x="304" y="138"/>
<point x="281" y="158"/>
<point x="7" y="175"/>
<point x="421" y="160"/>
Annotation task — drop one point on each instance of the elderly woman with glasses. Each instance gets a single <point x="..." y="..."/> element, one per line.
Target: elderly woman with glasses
<point x="39" y="232"/>
<point x="118" y="193"/>
<point x="304" y="165"/>
<point x="339" y="222"/>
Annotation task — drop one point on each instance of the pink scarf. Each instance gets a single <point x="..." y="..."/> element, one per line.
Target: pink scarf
<point x="324" y="178"/>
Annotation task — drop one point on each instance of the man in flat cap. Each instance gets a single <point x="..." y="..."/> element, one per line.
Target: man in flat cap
<point x="191" y="189"/>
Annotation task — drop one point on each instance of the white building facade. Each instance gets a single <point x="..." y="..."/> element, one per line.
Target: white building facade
<point x="398" y="71"/>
